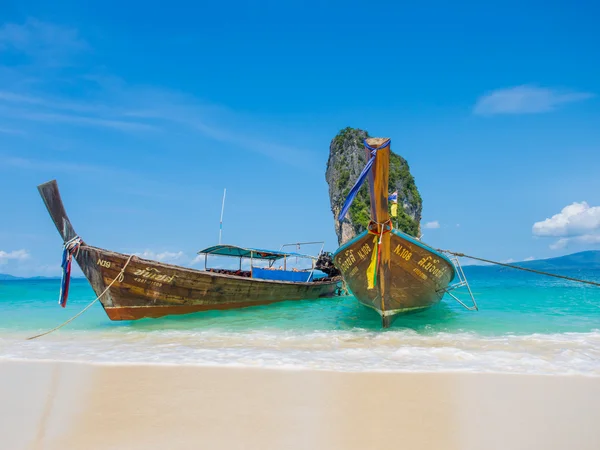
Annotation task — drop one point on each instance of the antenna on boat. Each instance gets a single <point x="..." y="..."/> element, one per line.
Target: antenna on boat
<point x="221" y="222"/>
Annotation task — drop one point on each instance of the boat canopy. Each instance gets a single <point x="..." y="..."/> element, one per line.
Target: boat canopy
<point x="255" y="253"/>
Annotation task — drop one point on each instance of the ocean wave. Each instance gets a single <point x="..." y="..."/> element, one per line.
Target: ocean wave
<point x="352" y="350"/>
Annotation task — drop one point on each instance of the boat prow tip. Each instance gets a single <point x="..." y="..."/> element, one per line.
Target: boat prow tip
<point x="49" y="182"/>
<point x="51" y="197"/>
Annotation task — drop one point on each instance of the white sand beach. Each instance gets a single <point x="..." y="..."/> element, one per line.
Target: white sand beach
<point x="59" y="405"/>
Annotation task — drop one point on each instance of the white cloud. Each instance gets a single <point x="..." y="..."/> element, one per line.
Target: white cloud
<point x="470" y="262"/>
<point x="49" y="102"/>
<point x="16" y="255"/>
<point x="587" y="239"/>
<point x="58" y="166"/>
<point x="432" y="225"/>
<point x="21" y="263"/>
<point x="57" y="110"/>
<point x="577" y="223"/>
<point x="574" y="220"/>
<point x="46" y="43"/>
<point x="29" y="99"/>
<point x="10" y="131"/>
<point x="166" y="257"/>
<point x="15" y="98"/>
<point x="561" y="243"/>
<point x="198" y="259"/>
<point x="182" y="259"/>
<point x="88" y="121"/>
<point x="526" y="100"/>
<point x="512" y="260"/>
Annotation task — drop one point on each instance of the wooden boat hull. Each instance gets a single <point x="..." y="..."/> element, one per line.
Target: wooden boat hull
<point x="153" y="289"/>
<point x="385" y="269"/>
<point x="413" y="278"/>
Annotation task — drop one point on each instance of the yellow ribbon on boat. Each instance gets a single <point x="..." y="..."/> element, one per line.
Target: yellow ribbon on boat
<point x="372" y="269"/>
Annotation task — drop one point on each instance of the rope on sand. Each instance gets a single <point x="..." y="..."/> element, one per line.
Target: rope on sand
<point x="119" y="277"/>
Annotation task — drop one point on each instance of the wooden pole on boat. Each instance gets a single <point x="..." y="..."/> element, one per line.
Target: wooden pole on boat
<point x="380" y="216"/>
<point x="221" y="221"/>
<point x="378" y="181"/>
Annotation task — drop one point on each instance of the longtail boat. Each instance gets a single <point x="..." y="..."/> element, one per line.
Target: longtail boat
<point x="130" y="287"/>
<point x="388" y="270"/>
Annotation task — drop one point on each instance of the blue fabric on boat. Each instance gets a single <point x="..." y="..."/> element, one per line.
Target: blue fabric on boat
<point x="66" y="273"/>
<point x="361" y="178"/>
<point x="281" y="275"/>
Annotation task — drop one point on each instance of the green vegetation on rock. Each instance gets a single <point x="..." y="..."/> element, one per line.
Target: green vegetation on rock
<point x="360" y="210"/>
<point x="347" y="158"/>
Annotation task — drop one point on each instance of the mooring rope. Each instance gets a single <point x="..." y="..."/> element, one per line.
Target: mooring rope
<point x="377" y="248"/>
<point x="118" y="277"/>
<point x="70" y="248"/>
<point x="512" y="266"/>
<point x="344" y="289"/>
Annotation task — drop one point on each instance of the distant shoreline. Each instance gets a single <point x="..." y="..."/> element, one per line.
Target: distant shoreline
<point x="7" y="277"/>
<point x="589" y="259"/>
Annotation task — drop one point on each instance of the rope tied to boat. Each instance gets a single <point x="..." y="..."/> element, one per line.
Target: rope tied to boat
<point x="525" y="269"/>
<point x="382" y="228"/>
<point x="361" y="178"/>
<point x="120" y="277"/>
<point x="70" y="248"/>
<point x="343" y="290"/>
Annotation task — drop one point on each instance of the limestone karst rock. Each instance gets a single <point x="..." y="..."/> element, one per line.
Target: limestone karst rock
<point x="347" y="157"/>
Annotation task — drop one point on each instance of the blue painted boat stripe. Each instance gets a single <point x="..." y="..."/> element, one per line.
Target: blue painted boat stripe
<point x="404" y="236"/>
<point x="350" y="242"/>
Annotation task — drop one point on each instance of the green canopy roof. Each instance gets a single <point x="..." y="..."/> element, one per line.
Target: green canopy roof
<point x="256" y="253"/>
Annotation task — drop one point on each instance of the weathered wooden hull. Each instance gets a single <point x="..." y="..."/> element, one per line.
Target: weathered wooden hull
<point x="153" y="289"/>
<point x="414" y="277"/>
<point x="385" y="269"/>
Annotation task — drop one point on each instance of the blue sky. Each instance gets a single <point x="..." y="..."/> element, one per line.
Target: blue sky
<point x="144" y="115"/>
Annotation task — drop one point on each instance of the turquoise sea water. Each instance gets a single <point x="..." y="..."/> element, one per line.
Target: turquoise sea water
<point x="526" y="324"/>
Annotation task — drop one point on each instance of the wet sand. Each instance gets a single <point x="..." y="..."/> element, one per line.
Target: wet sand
<point x="56" y="405"/>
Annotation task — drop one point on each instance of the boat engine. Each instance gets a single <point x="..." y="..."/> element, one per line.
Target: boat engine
<point x="325" y="264"/>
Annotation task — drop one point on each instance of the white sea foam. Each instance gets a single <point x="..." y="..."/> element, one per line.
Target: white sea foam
<point x="357" y="350"/>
